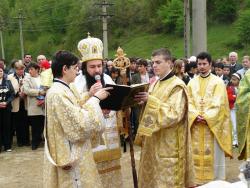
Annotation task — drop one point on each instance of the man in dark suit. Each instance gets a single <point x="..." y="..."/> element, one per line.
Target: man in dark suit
<point x="233" y="58"/>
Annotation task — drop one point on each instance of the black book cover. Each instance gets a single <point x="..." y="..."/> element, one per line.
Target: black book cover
<point x="122" y="96"/>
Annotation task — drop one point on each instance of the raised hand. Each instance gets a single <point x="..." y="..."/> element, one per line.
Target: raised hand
<point x="103" y="93"/>
<point x="94" y="88"/>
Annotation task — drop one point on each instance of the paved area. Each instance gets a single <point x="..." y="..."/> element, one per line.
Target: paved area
<point x="22" y="168"/>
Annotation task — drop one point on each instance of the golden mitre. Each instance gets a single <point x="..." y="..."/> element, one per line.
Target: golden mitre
<point x="91" y="48"/>
<point x="121" y="62"/>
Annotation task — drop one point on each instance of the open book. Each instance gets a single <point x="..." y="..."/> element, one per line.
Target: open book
<point x="122" y="96"/>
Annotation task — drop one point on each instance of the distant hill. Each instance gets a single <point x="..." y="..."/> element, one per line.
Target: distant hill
<point x="220" y="40"/>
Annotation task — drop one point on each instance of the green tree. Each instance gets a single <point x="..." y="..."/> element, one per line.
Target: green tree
<point x="243" y="27"/>
<point x="225" y="11"/>
<point x="4" y="8"/>
<point x="171" y="15"/>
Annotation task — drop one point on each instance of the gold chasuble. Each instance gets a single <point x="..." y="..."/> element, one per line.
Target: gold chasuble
<point x="163" y="129"/>
<point x="105" y="147"/>
<point x="67" y="139"/>
<point x="243" y="116"/>
<point x="211" y="141"/>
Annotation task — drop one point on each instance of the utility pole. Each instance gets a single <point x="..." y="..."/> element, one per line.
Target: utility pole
<point x="1" y="36"/>
<point x="105" y="17"/>
<point x="199" y="26"/>
<point x="20" y="19"/>
<point x="186" y="28"/>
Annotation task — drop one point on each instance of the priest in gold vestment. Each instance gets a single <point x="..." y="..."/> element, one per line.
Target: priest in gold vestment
<point x="163" y="130"/>
<point x="243" y="117"/>
<point x="108" y="153"/>
<point x="68" y="161"/>
<point x="209" y="122"/>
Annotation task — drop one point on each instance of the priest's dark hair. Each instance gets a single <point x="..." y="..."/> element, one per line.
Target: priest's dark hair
<point x="204" y="55"/>
<point x="164" y="52"/>
<point x="60" y="59"/>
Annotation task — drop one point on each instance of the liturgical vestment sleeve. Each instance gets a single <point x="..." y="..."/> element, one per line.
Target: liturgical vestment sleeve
<point x="78" y="123"/>
<point x="160" y="114"/>
<point x="215" y="111"/>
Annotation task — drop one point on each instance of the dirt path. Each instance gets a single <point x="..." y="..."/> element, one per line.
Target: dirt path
<point x="22" y="168"/>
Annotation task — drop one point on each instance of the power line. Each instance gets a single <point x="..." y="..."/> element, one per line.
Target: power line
<point x="57" y="6"/>
<point x="59" y="26"/>
<point x="43" y="21"/>
<point x="53" y="20"/>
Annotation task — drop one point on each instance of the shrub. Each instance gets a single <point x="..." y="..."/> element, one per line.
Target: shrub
<point x="225" y="11"/>
<point x="243" y="27"/>
<point x="171" y="16"/>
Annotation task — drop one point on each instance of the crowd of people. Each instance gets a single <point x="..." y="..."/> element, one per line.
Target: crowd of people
<point x="229" y="69"/>
<point x="186" y="123"/>
<point x="22" y="102"/>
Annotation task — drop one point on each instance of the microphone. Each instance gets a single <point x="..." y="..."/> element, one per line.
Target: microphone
<point x="98" y="78"/>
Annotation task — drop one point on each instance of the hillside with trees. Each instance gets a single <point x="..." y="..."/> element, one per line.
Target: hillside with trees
<point x="137" y="25"/>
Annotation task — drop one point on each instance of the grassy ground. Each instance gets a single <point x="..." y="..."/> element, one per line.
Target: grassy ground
<point x="219" y="38"/>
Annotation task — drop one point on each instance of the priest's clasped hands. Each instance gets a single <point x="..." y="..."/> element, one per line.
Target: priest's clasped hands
<point x="201" y="120"/>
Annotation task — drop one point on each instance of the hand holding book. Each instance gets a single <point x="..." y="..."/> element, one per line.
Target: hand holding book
<point x="123" y="96"/>
<point x="141" y="97"/>
<point x="103" y="93"/>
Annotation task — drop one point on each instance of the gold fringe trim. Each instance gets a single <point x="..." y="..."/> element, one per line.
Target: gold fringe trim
<point x="107" y="155"/>
<point x="109" y="169"/>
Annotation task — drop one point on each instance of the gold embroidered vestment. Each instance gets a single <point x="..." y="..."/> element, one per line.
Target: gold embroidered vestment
<point x="208" y="98"/>
<point x="165" y="155"/>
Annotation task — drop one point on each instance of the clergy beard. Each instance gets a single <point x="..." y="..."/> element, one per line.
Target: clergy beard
<point x="91" y="80"/>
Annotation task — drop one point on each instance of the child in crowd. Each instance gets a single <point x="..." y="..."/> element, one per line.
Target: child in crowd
<point x="114" y="73"/>
<point x="46" y="74"/>
<point x="46" y="79"/>
<point x="227" y="71"/>
<point x="218" y="68"/>
<point x="232" y="90"/>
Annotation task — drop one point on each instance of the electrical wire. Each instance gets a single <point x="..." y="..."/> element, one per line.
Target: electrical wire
<point x="54" y="27"/>
<point x="44" y="20"/>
